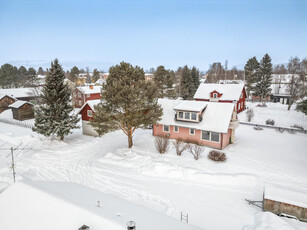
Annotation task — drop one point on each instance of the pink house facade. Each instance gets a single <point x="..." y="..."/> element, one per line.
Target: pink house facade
<point x="206" y="123"/>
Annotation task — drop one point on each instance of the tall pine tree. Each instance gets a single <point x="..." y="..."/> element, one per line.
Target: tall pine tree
<point x="251" y="74"/>
<point x="54" y="116"/>
<point x="186" y="83"/>
<point x="164" y="81"/>
<point x="195" y="77"/>
<point x="262" y="87"/>
<point x="129" y="102"/>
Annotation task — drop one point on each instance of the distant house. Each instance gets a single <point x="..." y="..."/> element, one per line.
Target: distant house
<point x="87" y="112"/>
<point x="149" y="76"/>
<point x="100" y="82"/>
<point x="5" y="101"/>
<point x="22" y="110"/>
<point x="86" y="93"/>
<point x="24" y="94"/>
<point x="224" y="93"/>
<point x="206" y="123"/>
<point x="104" y="76"/>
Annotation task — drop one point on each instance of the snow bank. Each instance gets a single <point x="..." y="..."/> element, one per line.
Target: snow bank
<point x="62" y="206"/>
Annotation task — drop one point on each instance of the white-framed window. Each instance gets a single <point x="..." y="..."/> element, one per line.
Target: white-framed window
<point x="210" y="136"/>
<point x="88" y="95"/>
<point x="215" y="137"/>
<point x="192" y="131"/>
<point x="176" y="129"/>
<point x="166" y="128"/>
<point x="89" y="113"/>
<point x="80" y="103"/>
<point x="205" y="135"/>
<point x="79" y="94"/>
<point x="193" y="116"/>
<point x="239" y="106"/>
<point x="215" y="95"/>
<point x="180" y="115"/>
<point x="187" y="116"/>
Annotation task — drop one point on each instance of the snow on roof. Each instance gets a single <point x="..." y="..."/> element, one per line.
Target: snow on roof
<point x="17" y="92"/>
<point x="19" y="103"/>
<point x="100" y="81"/>
<point x="215" y="118"/>
<point x="88" y="90"/>
<point x="286" y="196"/>
<point x="283" y="78"/>
<point x="2" y="96"/>
<point x="91" y="104"/>
<point x="229" y="91"/>
<point x="62" y="206"/>
<point x="195" y="106"/>
<point x="279" y="89"/>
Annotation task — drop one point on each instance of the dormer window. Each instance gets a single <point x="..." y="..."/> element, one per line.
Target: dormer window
<point x="215" y="95"/>
<point x="193" y="116"/>
<point x="187" y="116"/>
<point x="180" y="115"/>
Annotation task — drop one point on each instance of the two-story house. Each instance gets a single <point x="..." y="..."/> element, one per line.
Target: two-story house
<point x="83" y="94"/>
<point x="228" y="93"/>
<point x="206" y="123"/>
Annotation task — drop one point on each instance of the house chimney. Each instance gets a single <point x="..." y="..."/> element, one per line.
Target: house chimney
<point x="91" y="86"/>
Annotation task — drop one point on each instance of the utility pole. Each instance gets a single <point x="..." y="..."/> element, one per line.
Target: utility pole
<point x="13" y="164"/>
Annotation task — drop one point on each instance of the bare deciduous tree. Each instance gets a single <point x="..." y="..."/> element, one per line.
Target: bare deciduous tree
<point x="196" y="150"/>
<point x="250" y="114"/>
<point x="162" y="144"/>
<point x="180" y="146"/>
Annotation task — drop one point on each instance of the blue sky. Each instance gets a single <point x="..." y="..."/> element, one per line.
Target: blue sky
<point x="150" y="33"/>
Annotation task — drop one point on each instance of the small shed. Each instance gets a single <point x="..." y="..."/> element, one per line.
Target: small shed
<point x="5" y="101"/>
<point x="279" y="200"/>
<point x="22" y="110"/>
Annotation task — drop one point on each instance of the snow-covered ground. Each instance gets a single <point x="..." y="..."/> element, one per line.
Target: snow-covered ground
<point x="211" y="193"/>
<point x="276" y="111"/>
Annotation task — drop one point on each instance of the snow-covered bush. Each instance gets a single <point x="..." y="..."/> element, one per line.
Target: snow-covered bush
<point x="162" y="144"/>
<point x="270" y="122"/>
<point x="258" y="128"/>
<point x="297" y="127"/>
<point x="262" y="105"/>
<point x="217" y="156"/>
<point x="279" y="130"/>
<point x="291" y="131"/>
<point x="180" y="146"/>
<point x="250" y="114"/>
<point x="196" y="150"/>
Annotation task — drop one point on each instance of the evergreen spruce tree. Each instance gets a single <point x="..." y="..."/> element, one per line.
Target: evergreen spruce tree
<point x="251" y="70"/>
<point x="164" y="81"/>
<point x="195" y="77"/>
<point x="54" y="116"/>
<point x="262" y="87"/>
<point x="129" y="102"/>
<point x="186" y="84"/>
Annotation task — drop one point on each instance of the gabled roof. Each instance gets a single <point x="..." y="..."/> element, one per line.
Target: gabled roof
<point x="19" y="103"/>
<point x="91" y="104"/>
<point x="215" y="118"/>
<point x="229" y="92"/>
<point x="88" y="90"/>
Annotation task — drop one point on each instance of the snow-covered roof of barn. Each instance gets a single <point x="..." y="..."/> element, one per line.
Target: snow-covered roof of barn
<point x="17" y="92"/>
<point x="88" y="90"/>
<point x="19" y="103"/>
<point x="229" y="91"/>
<point x="285" y="195"/>
<point x="61" y="206"/>
<point x="280" y="89"/>
<point x="2" y="96"/>
<point x="216" y="116"/>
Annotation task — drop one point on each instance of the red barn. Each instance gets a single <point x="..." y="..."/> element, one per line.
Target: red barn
<point x="225" y="93"/>
<point x="87" y="112"/>
<point x="83" y="94"/>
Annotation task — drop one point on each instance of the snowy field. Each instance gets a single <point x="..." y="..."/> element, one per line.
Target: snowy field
<point x="211" y="193"/>
<point x="276" y="111"/>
